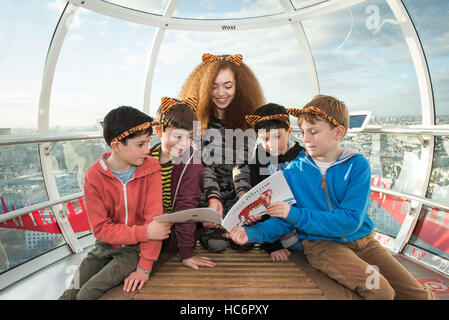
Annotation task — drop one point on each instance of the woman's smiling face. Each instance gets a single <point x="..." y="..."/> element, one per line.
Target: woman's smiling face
<point x="224" y="89"/>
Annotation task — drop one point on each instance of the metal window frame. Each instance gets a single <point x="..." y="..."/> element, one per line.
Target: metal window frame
<point x="428" y="116"/>
<point x="214" y="25"/>
<point x="154" y="52"/>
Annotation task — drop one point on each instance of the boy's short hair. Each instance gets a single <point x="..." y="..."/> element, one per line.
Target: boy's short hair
<point x="180" y="116"/>
<point x="119" y="121"/>
<point x="271" y="109"/>
<point x="329" y="105"/>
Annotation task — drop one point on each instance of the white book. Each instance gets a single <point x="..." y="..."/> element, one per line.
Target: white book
<point x="253" y="203"/>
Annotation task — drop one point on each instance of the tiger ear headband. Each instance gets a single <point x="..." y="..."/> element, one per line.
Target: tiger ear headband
<point x="167" y="103"/>
<point x="313" y="110"/>
<point x="236" y="58"/>
<point x="253" y="119"/>
<point x="135" y="129"/>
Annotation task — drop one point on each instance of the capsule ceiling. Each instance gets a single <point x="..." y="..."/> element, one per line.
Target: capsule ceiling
<point x="389" y="57"/>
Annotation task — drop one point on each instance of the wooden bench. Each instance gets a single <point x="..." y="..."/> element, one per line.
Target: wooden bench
<point x="247" y="275"/>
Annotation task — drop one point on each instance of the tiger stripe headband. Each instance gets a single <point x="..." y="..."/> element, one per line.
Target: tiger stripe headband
<point x="236" y="58"/>
<point x="253" y="119"/>
<point x="133" y="130"/>
<point x="167" y="103"/>
<point x="313" y="110"/>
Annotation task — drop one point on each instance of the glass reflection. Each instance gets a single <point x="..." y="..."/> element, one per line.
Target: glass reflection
<point x="19" y="246"/>
<point x="71" y="159"/>
<point x="300" y="4"/>
<point x="362" y="58"/>
<point x="150" y="6"/>
<point x="432" y="231"/>
<point x="430" y="19"/>
<point x="230" y="9"/>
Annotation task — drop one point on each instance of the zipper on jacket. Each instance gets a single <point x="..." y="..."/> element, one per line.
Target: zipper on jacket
<point x="324" y="186"/>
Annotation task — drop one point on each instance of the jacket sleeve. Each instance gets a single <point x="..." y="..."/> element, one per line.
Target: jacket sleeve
<point x="188" y="197"/>
<point x="345" y="219"/>
<point x="241" y="176"/>
<point x="268" y="231"/>
<point x="211" y="186"/>
<point x="101" y="223"/>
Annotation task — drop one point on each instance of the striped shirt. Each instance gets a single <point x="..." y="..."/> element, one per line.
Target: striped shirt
<point x="167" y="169"/>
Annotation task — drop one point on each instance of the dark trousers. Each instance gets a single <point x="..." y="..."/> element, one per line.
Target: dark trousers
<point x="101" y="270"/>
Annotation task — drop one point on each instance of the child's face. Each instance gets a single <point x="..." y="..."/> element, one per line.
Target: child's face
<point x="224" y="89"/>
<point x="135" y="150"/>
<point x="274" y="141"/>
<point x="175" y="141"/>
<point x="321" y="139"/>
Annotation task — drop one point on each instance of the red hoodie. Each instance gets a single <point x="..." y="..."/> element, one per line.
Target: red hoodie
<point x="119" y="213"/>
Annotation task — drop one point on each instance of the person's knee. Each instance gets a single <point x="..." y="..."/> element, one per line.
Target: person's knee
<point x="383" y="292"/>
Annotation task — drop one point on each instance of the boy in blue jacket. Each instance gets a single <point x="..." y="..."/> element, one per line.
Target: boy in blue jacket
<point x="331" y="210"/>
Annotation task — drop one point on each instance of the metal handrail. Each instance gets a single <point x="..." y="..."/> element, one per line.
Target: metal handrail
<point x="13" y="140"/>
<point x="438" y="130"/>
<point x="25" y="210"/>
<point x="410" y="130"/>
<point x="22" y="211"/>
<point x="412" y="197"/>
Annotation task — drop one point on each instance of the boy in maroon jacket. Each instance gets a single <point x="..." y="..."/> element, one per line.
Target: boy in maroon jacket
<point x="182" y="177"/>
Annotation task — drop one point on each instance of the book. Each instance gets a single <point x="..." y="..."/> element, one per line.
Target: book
<point x="253" y="203"/>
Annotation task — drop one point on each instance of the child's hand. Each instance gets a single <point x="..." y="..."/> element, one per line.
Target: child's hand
<point x="280" y="255"/>
<point x="238" y="235"/>
<point x="278" y="209"/>
<point x="211" y="225"/>
<point x="195" y="262"/>
<point x="135" y="280"/>
<point x="158" y="230"/>
<point x="216" y="204"/>
<point x="253" y="219"/>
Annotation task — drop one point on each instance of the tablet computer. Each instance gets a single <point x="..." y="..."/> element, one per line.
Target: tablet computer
<point x="358" y="120"/>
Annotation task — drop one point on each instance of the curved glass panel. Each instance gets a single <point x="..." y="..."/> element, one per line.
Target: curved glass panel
<point x="395" y="162"/>
<point x="232" y="9"/>
<point x="273" y="55"/>
<point x="71" y="159"/>
<point x="430" y="19"/>
<point x="19" y="245"/>
<point x="26" y="28"/>
<point x="432" y="229"/>
<point x="299" y="4"/>
<point x="362" y="58"/>
<point x="23" y="238"/>
<point x="150" y="6"/>
<point x="102" y="65"/>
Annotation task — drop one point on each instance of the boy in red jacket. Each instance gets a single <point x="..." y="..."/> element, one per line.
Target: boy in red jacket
<point x="123" y="193"/>
<point x="182" y="174"/>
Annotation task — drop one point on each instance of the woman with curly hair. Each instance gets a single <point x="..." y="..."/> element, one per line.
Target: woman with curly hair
<point x="226" y="91"/>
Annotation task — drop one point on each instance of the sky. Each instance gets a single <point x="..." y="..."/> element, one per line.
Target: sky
<point x="360" y="54"/>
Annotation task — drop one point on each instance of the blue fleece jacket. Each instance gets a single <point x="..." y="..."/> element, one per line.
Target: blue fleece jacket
<point x="331" y="206"/>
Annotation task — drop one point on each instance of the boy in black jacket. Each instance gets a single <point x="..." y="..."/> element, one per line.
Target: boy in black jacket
<point x="273" y="153"/>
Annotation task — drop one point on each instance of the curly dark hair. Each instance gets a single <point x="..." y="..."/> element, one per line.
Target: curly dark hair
<point x="248" y="93"/>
